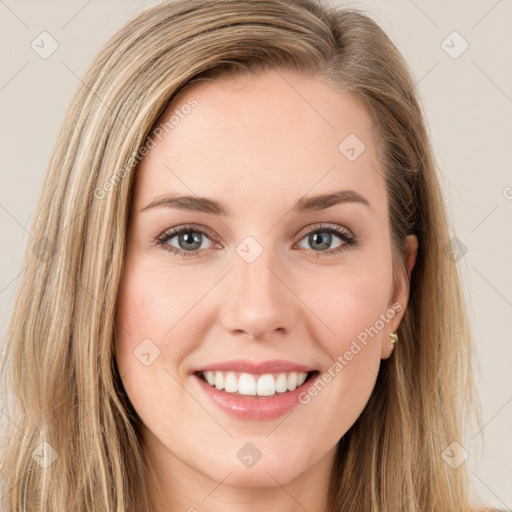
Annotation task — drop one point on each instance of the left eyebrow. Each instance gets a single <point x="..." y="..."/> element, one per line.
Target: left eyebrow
<point x="324" y="201"/>
<point x="212" y="207"/>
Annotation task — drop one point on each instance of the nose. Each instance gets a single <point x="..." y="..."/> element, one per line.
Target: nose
<point x="259" y="298"/>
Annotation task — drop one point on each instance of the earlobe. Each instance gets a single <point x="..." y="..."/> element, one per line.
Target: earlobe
<point x="388" y="345"/>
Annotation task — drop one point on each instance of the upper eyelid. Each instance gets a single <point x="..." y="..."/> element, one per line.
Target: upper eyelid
<point x="324" y="225"/>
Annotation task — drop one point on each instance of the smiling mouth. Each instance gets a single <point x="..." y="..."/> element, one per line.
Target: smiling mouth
<point x="252" y="385"/>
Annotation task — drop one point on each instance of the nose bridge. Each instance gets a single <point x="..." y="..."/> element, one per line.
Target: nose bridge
<point x="258" y="302"/>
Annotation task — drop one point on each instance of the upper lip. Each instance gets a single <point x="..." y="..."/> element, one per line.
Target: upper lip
<point x="246" y="366"/>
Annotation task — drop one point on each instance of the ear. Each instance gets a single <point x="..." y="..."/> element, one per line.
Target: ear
<point x="400" y="294"/>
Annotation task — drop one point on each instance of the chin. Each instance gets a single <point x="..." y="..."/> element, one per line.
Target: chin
<point x="267" y="471"/>
<point x="259" y="476"/>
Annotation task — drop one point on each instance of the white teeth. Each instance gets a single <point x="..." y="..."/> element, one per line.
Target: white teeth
<point x="210" y="377"/>
<point x="261" y="385"/>
<point x="231" y="384"/>
<point x="266" y="385"/>
<point x="219" y="380"/>
<point x="247" y="384"/>
<point x="281" y="383"/>
<point x="301" y="378"/>
<point x="292" y="381"/>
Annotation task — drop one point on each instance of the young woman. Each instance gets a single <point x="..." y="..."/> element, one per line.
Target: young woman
<point x="236" y="293"/>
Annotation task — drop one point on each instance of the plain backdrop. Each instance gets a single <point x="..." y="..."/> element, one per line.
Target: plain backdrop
<point x="461" y="56"/>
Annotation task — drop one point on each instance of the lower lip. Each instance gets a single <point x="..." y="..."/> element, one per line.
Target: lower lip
<point x="255" y="407"/>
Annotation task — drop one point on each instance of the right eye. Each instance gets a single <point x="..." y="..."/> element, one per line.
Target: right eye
<point x="189" y="240"/>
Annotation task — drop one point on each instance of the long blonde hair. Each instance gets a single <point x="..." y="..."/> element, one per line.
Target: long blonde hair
<point x="59" y="373"/>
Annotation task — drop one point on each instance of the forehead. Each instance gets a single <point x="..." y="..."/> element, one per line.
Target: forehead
<point x="274" y="135"/>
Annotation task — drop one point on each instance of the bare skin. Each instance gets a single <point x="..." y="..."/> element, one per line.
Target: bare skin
<point x="257" y="146"/>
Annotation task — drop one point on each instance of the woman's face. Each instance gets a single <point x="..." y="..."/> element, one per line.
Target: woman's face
<point x="258" y="277"/>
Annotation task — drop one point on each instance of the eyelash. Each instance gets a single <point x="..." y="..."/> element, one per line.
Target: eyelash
<point x="350" y="241"/>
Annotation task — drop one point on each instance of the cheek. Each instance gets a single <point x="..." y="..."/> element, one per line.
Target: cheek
<point x="147" y="301"/>
<point x="139" y="322"/>
<point x="144" y="315"/>
<point x="152" y="308"/>
<point x="351" y="334"/>
<point x="349" y="306"/>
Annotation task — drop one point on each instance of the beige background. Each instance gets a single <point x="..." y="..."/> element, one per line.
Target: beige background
<point x="468" y="103"/>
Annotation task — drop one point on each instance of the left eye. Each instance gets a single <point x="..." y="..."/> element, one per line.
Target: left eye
<point x="323" y="237"/>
